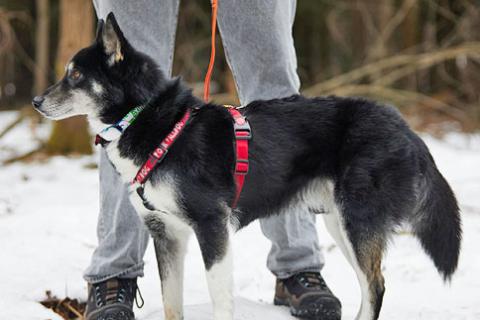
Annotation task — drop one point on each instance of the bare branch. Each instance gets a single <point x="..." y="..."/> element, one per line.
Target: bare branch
<point x="423" y="60"/>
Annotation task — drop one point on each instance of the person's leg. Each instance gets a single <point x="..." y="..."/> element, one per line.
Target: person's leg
<point x="258" y="42"/>
<point x="150" y="26"/>
<point x="122" y="236"/>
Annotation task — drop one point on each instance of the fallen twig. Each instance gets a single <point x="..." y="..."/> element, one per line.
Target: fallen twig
<point x="68" y="309"/>
<point x="13" y="124"/>
<point x="26" y="156"/>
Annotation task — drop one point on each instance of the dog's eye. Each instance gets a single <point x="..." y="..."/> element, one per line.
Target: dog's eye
<point x="75" y="75"/>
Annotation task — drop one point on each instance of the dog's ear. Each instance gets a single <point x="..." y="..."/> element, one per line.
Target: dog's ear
<point x="112" y="39"/>
<point x="100" y="25"/>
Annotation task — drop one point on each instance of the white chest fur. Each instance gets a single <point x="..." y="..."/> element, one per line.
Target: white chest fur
<point x="163" y="196"/>
<point x="124" y="166"/>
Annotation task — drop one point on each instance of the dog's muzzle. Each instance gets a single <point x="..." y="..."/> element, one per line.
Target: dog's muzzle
<point x="37" y="101"/>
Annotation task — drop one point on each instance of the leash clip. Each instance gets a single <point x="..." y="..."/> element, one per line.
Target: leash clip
<point x="141" y="194"/>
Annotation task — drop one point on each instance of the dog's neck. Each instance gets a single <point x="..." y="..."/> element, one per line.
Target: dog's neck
<point x="156" y="120"/>
<point x="164" y="106"/>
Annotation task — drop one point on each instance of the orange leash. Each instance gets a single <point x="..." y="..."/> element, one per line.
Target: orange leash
<point x="208" y="76"/>
<point x="241" y="126"/>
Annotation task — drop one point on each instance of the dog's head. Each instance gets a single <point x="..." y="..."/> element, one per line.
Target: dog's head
<point x="103" y="81"/>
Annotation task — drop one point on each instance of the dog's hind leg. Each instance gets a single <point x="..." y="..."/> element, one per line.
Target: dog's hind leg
<point x="364" y="254"/>
<point x="214" y="240"/>
<point x="170" y="247"/>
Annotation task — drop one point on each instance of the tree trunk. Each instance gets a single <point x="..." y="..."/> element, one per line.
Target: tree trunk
<point x="41" y="46"/>
<point x="358" y="37"/>
<point x="410" y="40"/>
<point x="75" y="32"/>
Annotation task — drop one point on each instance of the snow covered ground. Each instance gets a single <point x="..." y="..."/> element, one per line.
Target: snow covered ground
<point x="48" y="214"/>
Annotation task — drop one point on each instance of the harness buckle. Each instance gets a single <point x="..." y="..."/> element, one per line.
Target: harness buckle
<point x="241" y="167"/>
<point x="242" y="130"/>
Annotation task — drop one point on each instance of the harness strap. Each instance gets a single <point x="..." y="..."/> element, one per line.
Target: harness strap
<point x="243" y="134"/>
<point x="160" y="152"/>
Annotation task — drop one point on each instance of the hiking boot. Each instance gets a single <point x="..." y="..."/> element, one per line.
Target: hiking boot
<point x="308" y="297"/>
<point x="111" y="300"/>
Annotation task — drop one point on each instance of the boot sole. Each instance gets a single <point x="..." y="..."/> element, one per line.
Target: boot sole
<point x="315" y="314"/>
<point x="312" y="313"/>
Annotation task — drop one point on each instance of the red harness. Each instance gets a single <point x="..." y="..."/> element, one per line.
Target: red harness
<point x="242" y="135"/>
<point x="161" y="151"/>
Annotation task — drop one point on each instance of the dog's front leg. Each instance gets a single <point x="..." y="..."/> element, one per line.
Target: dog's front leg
<point x="170" y="257"/>
<point x="214" y="240"/>
<point x="170" y="242"/>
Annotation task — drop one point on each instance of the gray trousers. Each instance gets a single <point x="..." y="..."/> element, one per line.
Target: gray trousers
<point x="257" y="37"/>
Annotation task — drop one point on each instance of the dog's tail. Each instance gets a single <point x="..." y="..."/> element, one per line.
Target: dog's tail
<point x="437" y="222"/>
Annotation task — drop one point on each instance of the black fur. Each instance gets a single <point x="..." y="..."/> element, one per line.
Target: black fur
<point x="382" y="172"/>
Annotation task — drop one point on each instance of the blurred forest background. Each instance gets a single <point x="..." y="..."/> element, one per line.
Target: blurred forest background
<point x="421" y="55"/>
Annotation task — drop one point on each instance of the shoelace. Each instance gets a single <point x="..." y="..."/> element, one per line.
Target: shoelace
<point x="139" y="294"/>
<point x="312" y="280"/>
<point x="105" y="295"/>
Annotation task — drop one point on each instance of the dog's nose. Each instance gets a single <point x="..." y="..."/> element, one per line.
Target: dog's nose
<point x="37" y="101"/>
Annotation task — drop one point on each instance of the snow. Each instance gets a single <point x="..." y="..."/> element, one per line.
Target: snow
<point x="48" y="214"/>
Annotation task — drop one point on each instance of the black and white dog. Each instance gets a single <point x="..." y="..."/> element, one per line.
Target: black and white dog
<point x="357" y="159"/>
